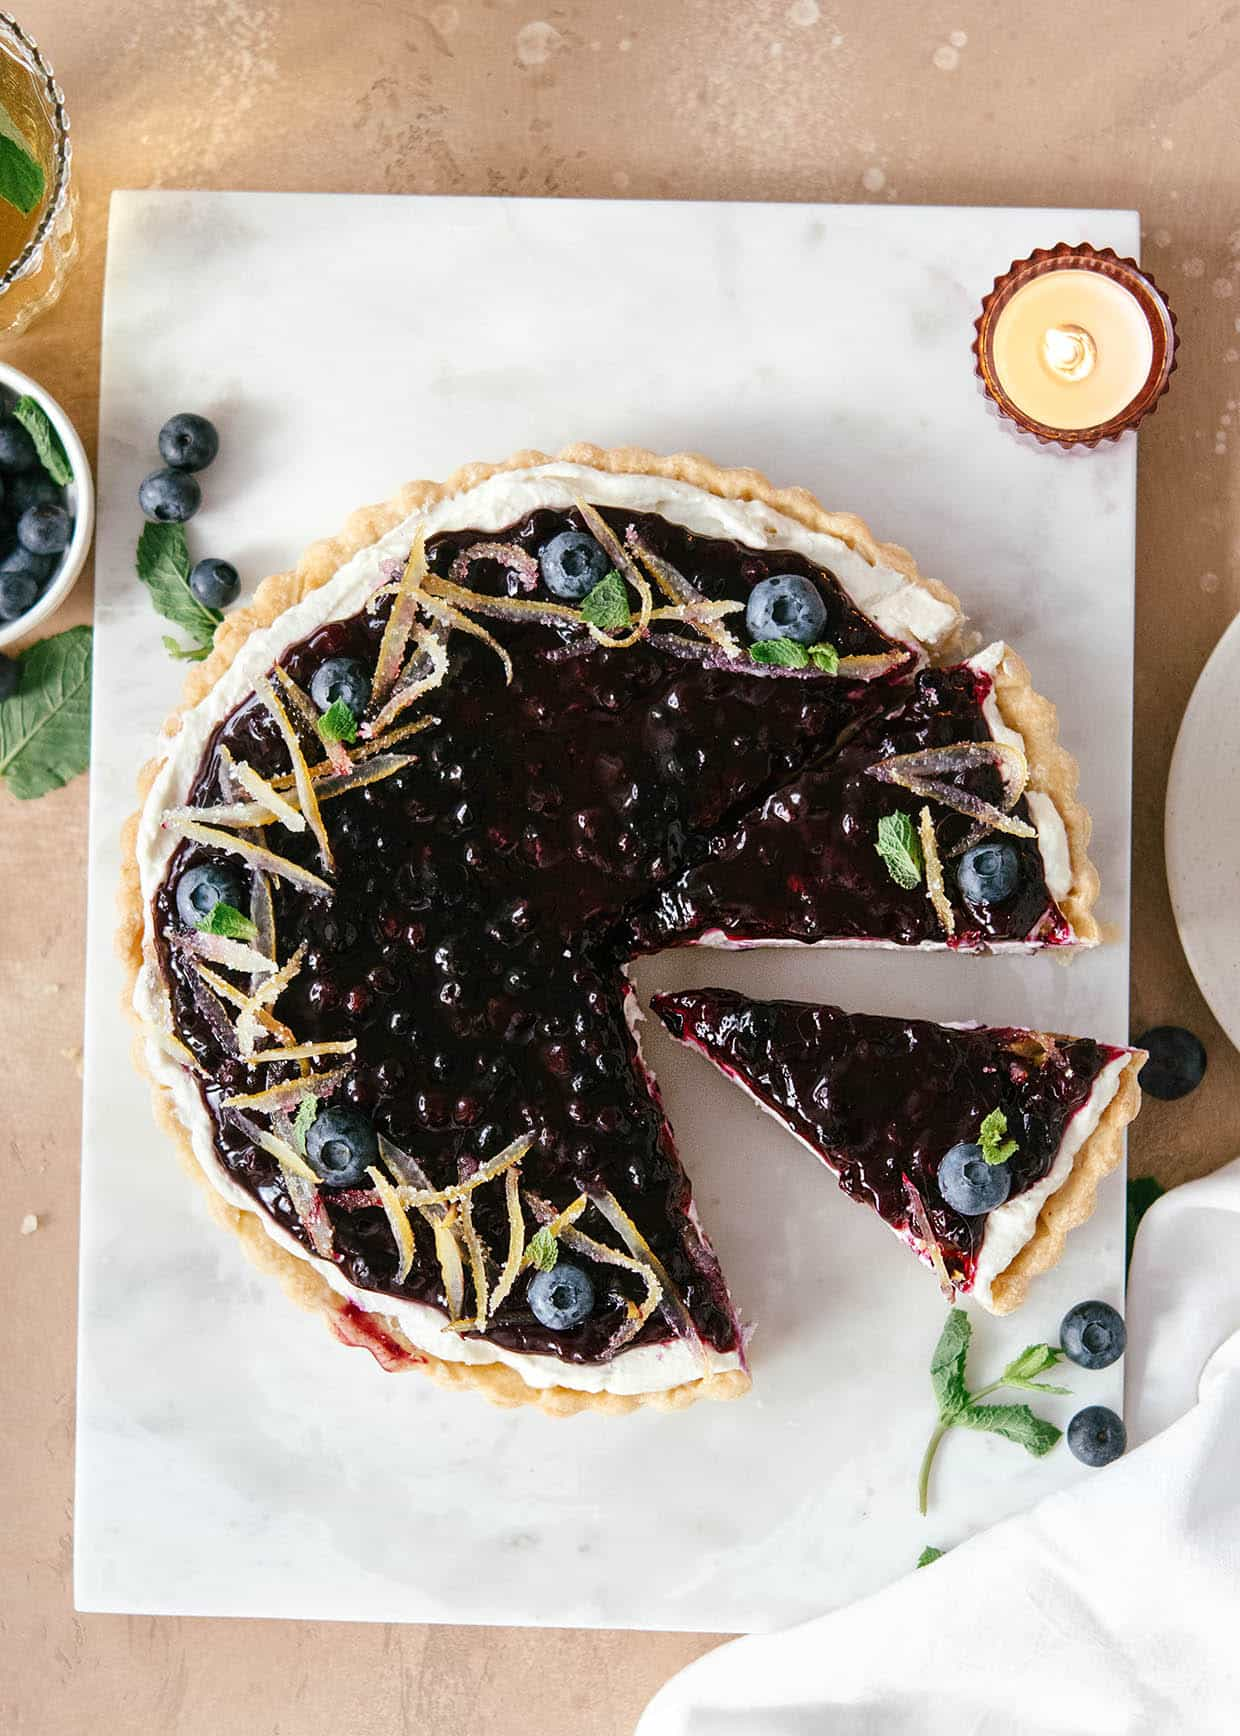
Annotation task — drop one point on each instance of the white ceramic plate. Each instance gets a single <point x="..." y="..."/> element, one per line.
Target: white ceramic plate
<point x="1203" y="832"/>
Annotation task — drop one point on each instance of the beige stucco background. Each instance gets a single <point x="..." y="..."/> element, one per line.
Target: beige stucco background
<point x="1121" y="102"/>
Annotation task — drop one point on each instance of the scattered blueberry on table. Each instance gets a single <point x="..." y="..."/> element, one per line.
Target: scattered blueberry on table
<point x="188" y="442"/>
<point x="1093" y="1335"/>
<point x="1177" y="1062"/>
<point x="214" y="582"/>
<point x="169" y="496"/>
<point x="1096" y="1435"/>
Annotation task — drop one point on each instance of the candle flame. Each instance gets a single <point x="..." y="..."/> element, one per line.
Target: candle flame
<point x="1069" y="352"/>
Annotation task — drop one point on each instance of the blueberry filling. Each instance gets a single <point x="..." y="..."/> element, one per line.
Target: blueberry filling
<point x="485" y="900"/>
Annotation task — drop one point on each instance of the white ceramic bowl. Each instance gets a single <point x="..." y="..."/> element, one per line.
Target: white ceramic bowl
<point x="81" y="498"/>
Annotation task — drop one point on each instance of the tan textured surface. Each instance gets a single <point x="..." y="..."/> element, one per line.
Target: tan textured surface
<point x="684" y="101"/>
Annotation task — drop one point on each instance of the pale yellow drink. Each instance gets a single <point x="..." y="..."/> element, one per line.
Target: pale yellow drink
<point x="36" y="246"/>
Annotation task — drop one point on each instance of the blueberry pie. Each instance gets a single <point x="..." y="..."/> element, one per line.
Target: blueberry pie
<point x="439" y="785"/>
<point x="979" y="1147"/>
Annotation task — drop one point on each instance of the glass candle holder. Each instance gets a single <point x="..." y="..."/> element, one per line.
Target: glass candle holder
<point x="1075" y="345"/>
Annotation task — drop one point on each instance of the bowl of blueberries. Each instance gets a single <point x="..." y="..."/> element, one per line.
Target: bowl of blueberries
<point x="47" y="505"/>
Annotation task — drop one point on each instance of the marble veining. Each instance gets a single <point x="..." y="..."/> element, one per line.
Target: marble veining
<point x="231" y="1459"/>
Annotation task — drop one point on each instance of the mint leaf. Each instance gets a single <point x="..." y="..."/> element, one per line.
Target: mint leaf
<point x="900" y="850"/>
<point x="21" y="178"/>
<point x="163" y="567"/>
<point x="1015" y="1422"/>
<point x="193" y="654"/>
<point x="45" y="722"/>
<point x="227" y="920"/>
<point x="781" y="653"/>
<point x="52" y="455"/>
<point x="1034" y="1359"/>
<point x="543" y="1251"/>
<point x="607" y="605"/>
<point x="337" y="723"/>
<point x="929" y="1554"/>
<point x="825" y="657"/>
<point x="304" y="1119"/>
<point x="948" y="1363"/>
<point x="1143" y="1190"/>
<point x="992" y="1137"/>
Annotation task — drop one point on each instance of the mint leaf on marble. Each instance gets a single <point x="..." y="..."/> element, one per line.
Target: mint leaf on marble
<point x="900" y="849"/>
<point x="163" y="567"/>
<point x="607" y="605"/>
<point x="960" y="1408"/>
<point x="47" y="443"/>
<point x="780" y="653"/>
<point x="21" y="177"/>
<point x="543" y="1251"/>
<point x="930" y="1554"/>
<point x="45" y="721"/>
<point x="227" y="920"/>
<point x="992" y="1137"/>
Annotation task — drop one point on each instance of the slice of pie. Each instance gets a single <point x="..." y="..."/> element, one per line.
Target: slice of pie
<point x="418" y="812"/>
<point x="981" y="1148"/>
<point x="948" y="818"/>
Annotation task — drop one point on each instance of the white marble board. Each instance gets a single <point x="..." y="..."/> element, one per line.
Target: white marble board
<point x="232" y="1459"/>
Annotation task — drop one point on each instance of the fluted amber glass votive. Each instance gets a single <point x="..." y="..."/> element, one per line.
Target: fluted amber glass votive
<point x="1075" y="345"/>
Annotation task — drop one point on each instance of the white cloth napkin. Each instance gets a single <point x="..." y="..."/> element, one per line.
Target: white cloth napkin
<point x="1111" y="1609"/>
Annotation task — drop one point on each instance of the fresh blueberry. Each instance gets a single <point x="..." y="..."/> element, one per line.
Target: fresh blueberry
<point x="572" y="563"/>
<point x="31" y="489"/>
<point x="169" y="496"/>
<point x="1177" y="1062"/>
<point x="24" y="560"/>
<point x="562" y="1298"/>
<point x="786" y="607"/>
<point x="17" y="593"/>
<point x="988" y="873"/>
<point x="17" y="451"/>
<point x="200" y="889"/>
<point x="214" y="582"/>
<point x="341" y="678"/>
<point x="969" y="1184"/>
<point x="1093" y="1335"/>
<point x="188" y="442"/>
<point x="45" y="529"/>
<point x="341" y="1147"/>
<point x="8" y="677"/>
<point x="1096" y="1435"/>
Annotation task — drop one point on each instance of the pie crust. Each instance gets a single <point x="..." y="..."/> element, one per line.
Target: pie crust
<point x="1051" y="770"/>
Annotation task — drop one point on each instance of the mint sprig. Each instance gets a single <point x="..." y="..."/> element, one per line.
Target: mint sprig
<point x="543" y="1250"/>
<point x="226" y="920"/>
<point x="303" y="1121"/>
<point x="163" y="566"/>
<point x="789" y="654"/>
<point x="960" y="1408"/>
<point x="22" y="180"/>
<point x="47" y="443"/>
<point x="607" y="605"/>
<point x="45" y="721"/>
<point x="337" y="723"/>
<point x="898" y="845"/>
<point x="929" y="1554"/>
<point x="993" y="1139"/>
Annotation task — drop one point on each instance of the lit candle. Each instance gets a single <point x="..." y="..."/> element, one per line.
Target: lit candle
<point x="1075" y="345"/>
